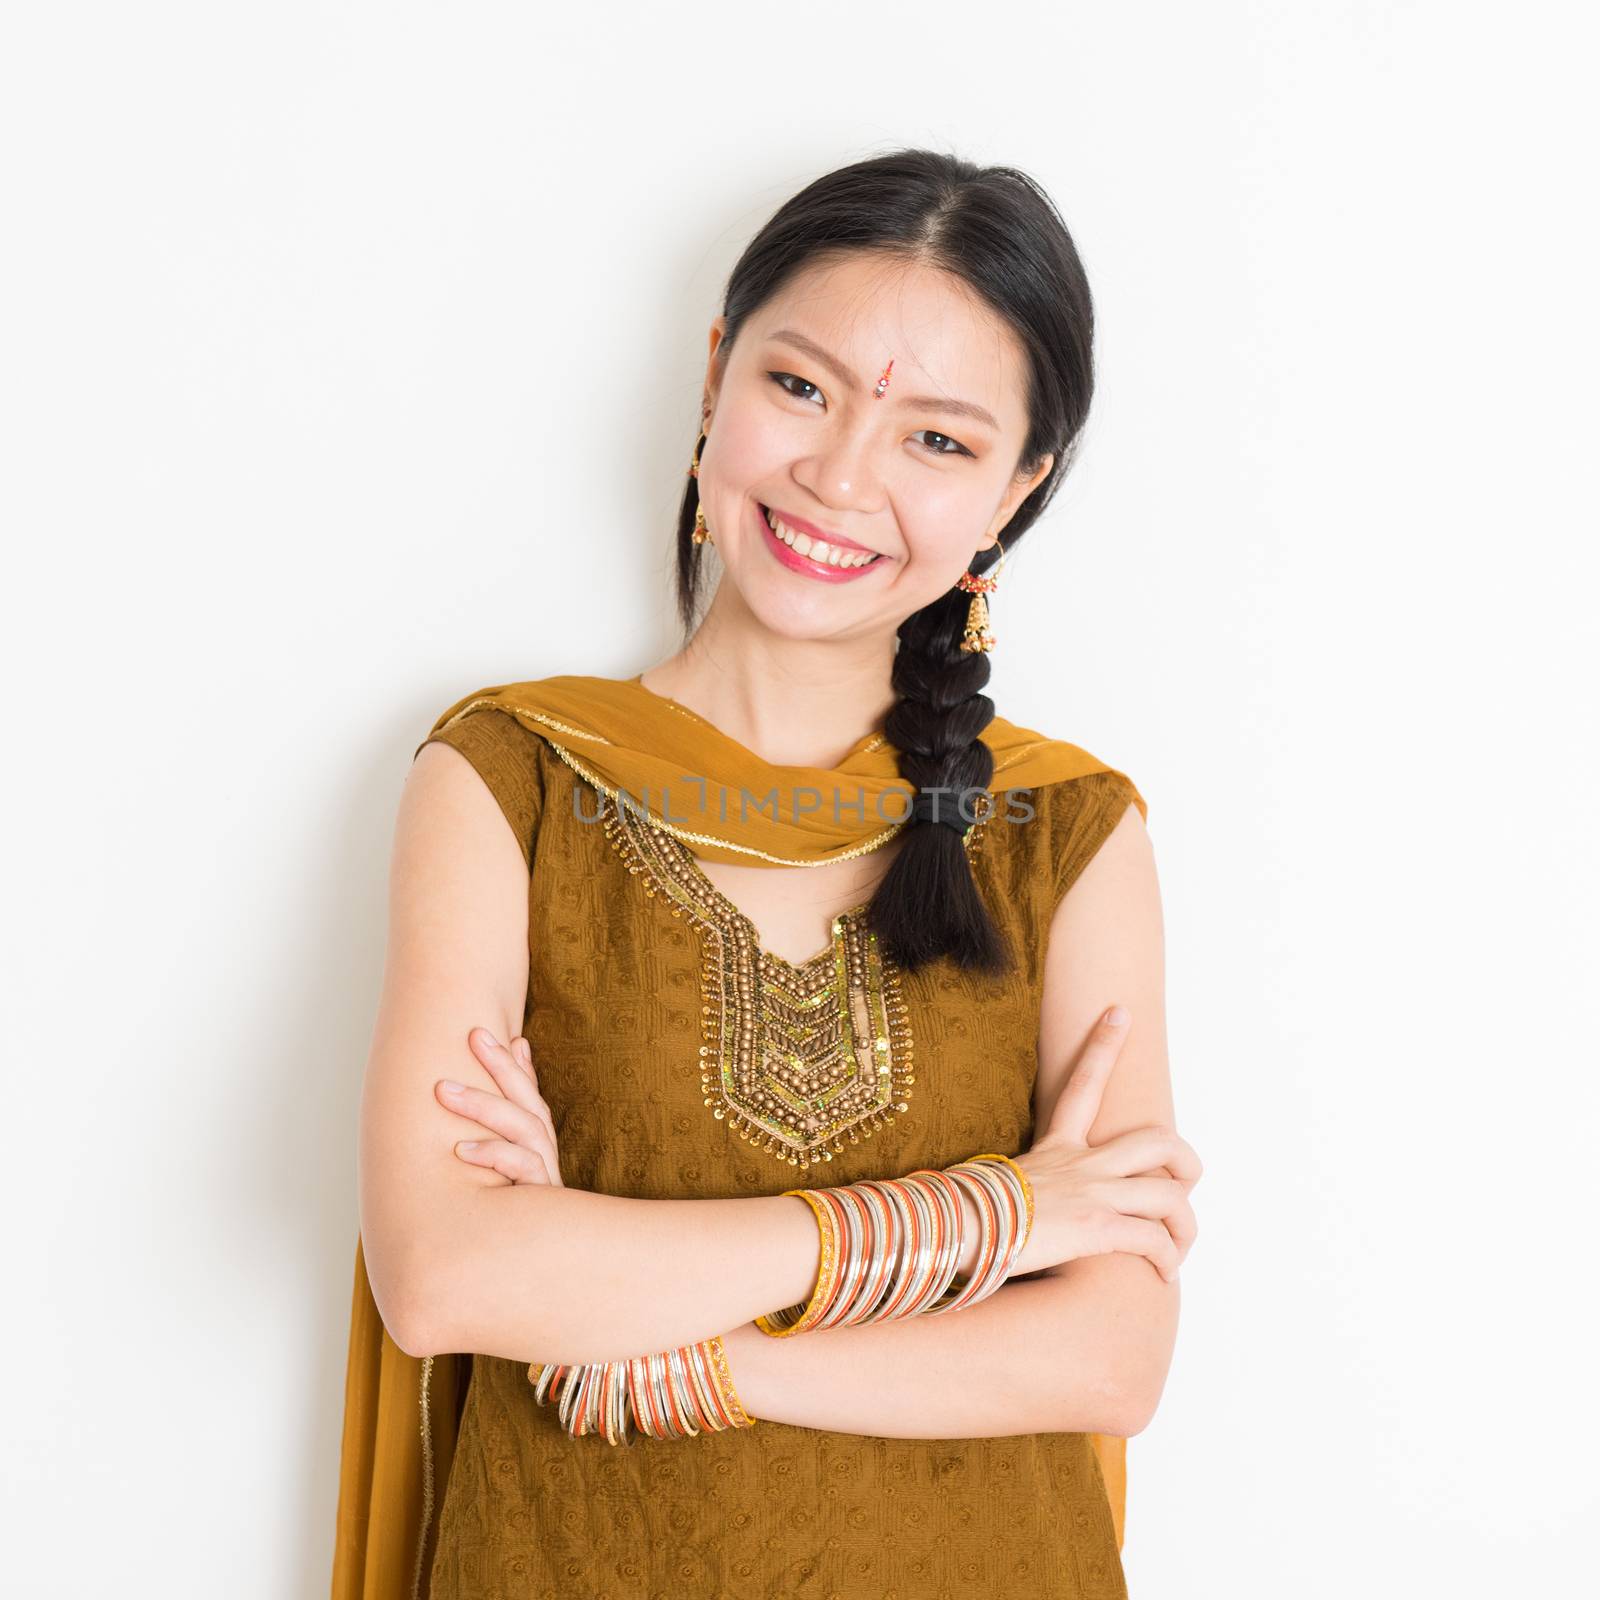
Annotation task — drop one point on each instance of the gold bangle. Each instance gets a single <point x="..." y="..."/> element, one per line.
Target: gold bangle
<point x="718" y="1357"/>
<point x="1027" y="1192"/>
<point x="797" y="1319"/>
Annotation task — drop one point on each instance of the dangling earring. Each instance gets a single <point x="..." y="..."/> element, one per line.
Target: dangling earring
<point x="977" y="636"/>
<point x="701" y="534"/>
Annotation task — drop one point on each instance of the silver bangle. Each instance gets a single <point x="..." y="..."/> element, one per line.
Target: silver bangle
<point x="897" y="1246"/>
<point x="927" y="1263"/>
<point x="680" y="1385"/>
<point x="915" y="1250"/>
<point x="861" y="1247"/>
<point x="948" y="1257"/>
<point x="989" y="1253"/>
<point x="886" y="1237"/>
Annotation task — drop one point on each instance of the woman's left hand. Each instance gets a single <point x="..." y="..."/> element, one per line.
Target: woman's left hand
<point x="525" y="1149"/>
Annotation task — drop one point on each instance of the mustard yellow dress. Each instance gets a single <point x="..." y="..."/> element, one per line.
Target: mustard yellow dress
<point x="647" y="996"/>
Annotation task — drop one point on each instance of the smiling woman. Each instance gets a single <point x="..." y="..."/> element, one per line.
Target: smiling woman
<point x="809" y="1125"/>
<point x="811" y="549"/>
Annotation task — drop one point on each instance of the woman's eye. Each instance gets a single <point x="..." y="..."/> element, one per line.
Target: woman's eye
<point x="943" y="444"/>
<point x="939" y="450"/>
<point x="784" y="379"/>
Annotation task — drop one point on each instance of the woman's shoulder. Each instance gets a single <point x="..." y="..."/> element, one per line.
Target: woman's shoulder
<point x="1026" y="758"/>
<point x="1068" y="814"/>
<point x="490" y="710"/>
<point x="508" y="755"/>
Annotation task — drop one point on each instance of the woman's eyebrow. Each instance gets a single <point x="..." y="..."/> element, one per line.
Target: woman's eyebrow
<point x="919" y="402"/>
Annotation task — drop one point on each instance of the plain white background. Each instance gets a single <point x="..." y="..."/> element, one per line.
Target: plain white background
<point x="351" y="358"/>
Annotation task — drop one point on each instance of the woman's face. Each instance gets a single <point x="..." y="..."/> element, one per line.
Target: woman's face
<point x="923" y="477"/>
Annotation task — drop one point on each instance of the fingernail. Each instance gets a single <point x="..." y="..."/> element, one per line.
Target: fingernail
<point x="450" y="1086"/>
<point x="467" y="1144"/>
<point x="486" y="1039"/>
<point x="1117" y="1015"/>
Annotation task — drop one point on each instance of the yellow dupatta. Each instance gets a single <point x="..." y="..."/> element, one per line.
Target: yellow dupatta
<point x="729" y="805"/>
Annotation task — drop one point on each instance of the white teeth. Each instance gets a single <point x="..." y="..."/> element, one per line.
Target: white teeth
<point x="818" y="549"/>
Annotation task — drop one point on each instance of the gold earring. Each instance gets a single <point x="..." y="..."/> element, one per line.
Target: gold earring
<point x="977" y="637"/>
<point x="701" y="534"/>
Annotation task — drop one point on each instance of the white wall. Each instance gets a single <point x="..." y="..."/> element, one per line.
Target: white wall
<point x="349" y="357"/>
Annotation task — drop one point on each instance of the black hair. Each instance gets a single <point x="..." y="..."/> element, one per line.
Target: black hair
<point x="997" y="230"/>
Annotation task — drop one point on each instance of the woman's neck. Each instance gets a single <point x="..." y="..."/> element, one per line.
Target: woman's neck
<point x="794" y="705"/>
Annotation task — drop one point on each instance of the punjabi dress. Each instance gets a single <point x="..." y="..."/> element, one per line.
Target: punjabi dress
<point x="651" y="1010"/>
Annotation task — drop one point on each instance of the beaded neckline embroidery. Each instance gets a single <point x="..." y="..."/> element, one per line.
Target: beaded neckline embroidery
<point x="800" y="1059"/>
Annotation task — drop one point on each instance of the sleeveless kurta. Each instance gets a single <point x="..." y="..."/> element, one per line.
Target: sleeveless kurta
<point x="648" y="997"/>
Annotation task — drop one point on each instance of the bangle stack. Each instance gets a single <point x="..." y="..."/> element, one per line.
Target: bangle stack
<point x="890" y="1248"/>
<point x="676" y="1394"/>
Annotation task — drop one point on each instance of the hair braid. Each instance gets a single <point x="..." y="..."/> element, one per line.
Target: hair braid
<point x="928" y="904"/>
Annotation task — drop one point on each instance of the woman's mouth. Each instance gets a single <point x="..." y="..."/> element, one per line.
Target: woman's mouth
<point x="811" y="557"/>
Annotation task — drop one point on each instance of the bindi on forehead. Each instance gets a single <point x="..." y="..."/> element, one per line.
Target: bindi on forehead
<point x="911" y="402"/>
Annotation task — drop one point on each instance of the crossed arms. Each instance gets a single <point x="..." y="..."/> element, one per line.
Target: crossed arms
<point x="462" y="1259"/>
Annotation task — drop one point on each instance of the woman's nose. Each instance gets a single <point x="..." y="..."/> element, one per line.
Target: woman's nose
<point x="842" y="476"/>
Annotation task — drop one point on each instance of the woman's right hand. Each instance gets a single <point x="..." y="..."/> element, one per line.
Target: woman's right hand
<point x="1092" y="1200"/>
<point x="525" y="1151"/>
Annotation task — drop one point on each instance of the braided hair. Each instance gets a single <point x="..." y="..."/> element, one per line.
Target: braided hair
<point x="997" y="229"/>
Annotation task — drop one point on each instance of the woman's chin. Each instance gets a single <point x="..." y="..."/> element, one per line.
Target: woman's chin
<point x="800" y="620"/>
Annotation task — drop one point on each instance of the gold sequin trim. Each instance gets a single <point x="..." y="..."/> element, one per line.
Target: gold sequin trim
<point x="522" y="711"/>
<point x="427" y="1478"/>
<point x="876" y="842"/>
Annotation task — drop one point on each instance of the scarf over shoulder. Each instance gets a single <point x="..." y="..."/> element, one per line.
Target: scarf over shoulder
<point x="728" y="804"/>
<point x="723" y="799"/>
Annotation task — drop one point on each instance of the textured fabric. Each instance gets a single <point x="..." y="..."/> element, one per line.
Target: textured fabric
<point x="511" y="1506"/>
<point x="727" y="802"/>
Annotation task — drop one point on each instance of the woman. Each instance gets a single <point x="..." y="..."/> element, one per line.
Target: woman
<point x="682" y="992"/>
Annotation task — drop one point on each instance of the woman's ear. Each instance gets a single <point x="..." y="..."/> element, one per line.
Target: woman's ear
<point x="714" y="364"/>
<point x="1019" y="491"/>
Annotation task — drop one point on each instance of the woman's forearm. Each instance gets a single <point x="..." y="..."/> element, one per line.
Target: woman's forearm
<point x="534" y="1272"/>
<point x="1034" y="1357"/>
